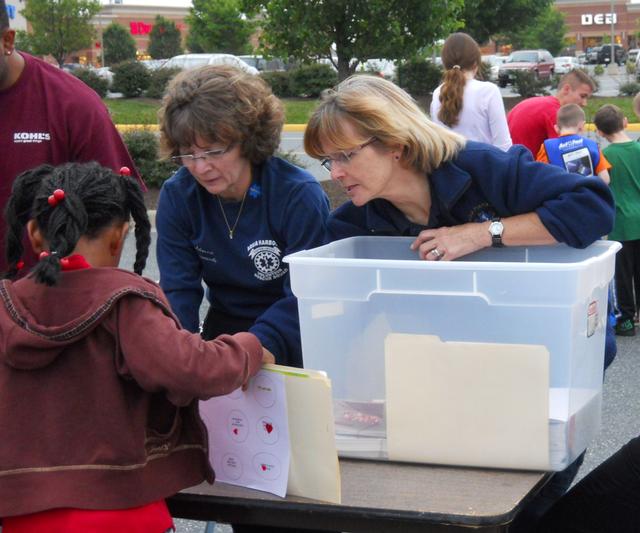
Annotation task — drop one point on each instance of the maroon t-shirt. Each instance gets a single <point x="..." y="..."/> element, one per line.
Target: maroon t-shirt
<point x="49" y="116"/>
<point x="531" y="121"/>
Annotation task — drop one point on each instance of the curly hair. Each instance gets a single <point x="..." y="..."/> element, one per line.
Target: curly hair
<point x="459" y="53"/>
<point x="221" y="104"/>
<point x="95" y="198"/>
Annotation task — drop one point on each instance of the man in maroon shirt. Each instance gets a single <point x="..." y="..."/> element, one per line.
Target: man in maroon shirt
<point x="48" y="116"/>
<point x="532" y="121"/>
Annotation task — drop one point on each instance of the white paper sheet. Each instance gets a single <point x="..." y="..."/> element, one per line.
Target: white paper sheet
<point x="249" y="434"/>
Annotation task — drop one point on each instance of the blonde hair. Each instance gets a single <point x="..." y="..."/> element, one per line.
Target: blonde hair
<point x="459" y="53"/>
<point x="377" y="108"/>
<point x="221" y="104"/>
<point x="569" y="116"/>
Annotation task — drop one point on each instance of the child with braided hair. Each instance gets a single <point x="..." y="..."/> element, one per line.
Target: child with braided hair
<point x="98" y="381"/>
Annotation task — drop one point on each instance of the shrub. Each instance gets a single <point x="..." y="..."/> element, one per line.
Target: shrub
<point x="311" y="80"/>
<point x="143" y="147"/>
<point x="279" y="81"/>
<point x="485" y="70"/>
<point x="130" y="78"/>
<point x="598" y="70"/>
<point x="527" y="84"/>
<point x="630" y="88"/>
<point x="98" y="84"/>
<point x="158" y="81"/>
<point x="630" y="67"/>
<point x="419" y="76"/>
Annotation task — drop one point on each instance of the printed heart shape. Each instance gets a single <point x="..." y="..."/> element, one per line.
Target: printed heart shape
<point x="264" y="467"/>
<point x="235" y="431"/>
<point x="268" y="427"/>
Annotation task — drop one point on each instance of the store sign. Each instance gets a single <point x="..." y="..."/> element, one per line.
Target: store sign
<point x="588" y="19"/>
<point x="140" y="28"/>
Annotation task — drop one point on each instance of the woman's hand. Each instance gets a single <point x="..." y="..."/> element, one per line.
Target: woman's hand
<point x="449" y="243"/>
<point x="267" y="357"/>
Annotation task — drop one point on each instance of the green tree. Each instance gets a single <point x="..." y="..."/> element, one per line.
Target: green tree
<point x="218" y="26"/>
<point x="547" y="31"/>
<point x="486" y="18"/>
<point x="164" y="40"/>
<point x="118" y="44"/>
<point x="61" y="26"/>
<point x="348" y="32"/>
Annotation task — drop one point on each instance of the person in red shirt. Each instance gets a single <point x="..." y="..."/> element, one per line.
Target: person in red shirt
<point x="533" y="120"/>
<point x="48" y="116"/>
<point x="98" y="381"/>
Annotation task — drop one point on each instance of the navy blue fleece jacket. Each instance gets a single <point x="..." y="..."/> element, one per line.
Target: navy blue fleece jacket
<point x="285" y="211"/>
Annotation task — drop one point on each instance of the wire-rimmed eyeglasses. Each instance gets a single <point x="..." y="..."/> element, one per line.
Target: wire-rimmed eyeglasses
<point x="342" y="157"/>
<point x="209" y="155"/>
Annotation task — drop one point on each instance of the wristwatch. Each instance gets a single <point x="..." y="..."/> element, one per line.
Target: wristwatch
<point x="495" y="229"/>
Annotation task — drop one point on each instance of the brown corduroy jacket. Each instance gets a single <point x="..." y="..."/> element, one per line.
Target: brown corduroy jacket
<point x="98" y="390"/>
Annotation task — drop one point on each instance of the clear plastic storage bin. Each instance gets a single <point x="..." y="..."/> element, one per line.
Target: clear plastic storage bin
<point x="356" y="295"/>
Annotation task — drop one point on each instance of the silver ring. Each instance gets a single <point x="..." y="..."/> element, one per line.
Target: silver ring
<point x="436" y="253"/>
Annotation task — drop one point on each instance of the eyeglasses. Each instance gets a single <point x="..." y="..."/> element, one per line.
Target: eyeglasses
<point x="209" y="155"/>
<point x="342" y="157"/>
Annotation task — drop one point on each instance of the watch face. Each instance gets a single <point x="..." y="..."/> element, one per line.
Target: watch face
<point x="496" y="228"/>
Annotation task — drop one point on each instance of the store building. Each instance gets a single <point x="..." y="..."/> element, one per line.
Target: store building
<point x="16" y="20"/>
<point x="591" y="23"/>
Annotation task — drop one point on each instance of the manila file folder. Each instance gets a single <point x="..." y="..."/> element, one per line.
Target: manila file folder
<point x="467" y="403"/>
<point x="314" y="470"/>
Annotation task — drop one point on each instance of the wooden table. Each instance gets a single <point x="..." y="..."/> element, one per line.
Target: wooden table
<point x="377" y="496"/>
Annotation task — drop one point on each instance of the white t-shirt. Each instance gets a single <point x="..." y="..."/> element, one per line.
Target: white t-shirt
<point x="482" y="117"/>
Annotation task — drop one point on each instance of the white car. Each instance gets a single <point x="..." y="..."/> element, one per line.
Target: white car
<point x="186" y="61"/>
<point x="494" y="61"/>
<point x="565" y="64"/>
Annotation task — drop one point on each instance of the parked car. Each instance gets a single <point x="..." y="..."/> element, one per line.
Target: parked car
<point x="153" y="64"/>
<point x="538" y="62"/>
<point x="632" y="55"/>
<point x="564" y="64"/>
<point x="604" y="54"/>
<point x="592" y="54"/>
<point x="105" y="73"/>
<point x="187" y="61"/>
<point x="494" y="62"/>
<point x="383" y="67"/>
<point x="581" y="57"/>
<point x="262" y="64"/>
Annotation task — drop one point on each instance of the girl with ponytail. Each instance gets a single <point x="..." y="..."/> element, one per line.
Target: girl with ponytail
<point x="98" y="381"/>
<point x="464" y="104"/>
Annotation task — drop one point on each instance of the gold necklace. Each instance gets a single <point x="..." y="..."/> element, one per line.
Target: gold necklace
<point x="224" y="215"/>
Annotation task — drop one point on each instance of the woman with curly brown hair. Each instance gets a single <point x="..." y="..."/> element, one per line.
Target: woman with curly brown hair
<point x="233" y="210"/>
<point x="468" y="106"/>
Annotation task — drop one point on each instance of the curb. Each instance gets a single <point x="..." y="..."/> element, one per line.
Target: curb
<point x="301" y="127"/>
<point x="154" y="127"/>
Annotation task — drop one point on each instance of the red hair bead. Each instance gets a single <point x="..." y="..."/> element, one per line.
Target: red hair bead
<point x="125" y="171"/>
<point x="20" y="264"/>
<point x="52" y="201"/>
<point x="58" y="194"/>
<point x="43" y="255"/>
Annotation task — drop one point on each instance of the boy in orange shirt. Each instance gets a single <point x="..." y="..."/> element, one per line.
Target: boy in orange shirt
<point x="571" y="150"/>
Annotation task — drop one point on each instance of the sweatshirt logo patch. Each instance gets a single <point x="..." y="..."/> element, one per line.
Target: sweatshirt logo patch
<point x="26" y="137"/>
<point x="265" y="255"/>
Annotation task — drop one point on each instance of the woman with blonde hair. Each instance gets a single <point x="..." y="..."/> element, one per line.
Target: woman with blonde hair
<point x="468" y="106"/>
<point x="407" y="176"/>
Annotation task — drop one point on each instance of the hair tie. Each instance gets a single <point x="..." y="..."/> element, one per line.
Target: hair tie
<point x="56" y="197"/>
<point x="44" y="254"/>
<point x="456" y="67"/>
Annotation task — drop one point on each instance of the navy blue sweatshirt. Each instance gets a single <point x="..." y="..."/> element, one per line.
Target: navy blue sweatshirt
<point x="483" y="182"/>
<point x="285" y="211"/>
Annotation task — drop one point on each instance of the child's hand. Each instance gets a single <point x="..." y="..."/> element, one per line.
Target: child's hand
<point x="267" y="357"/>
